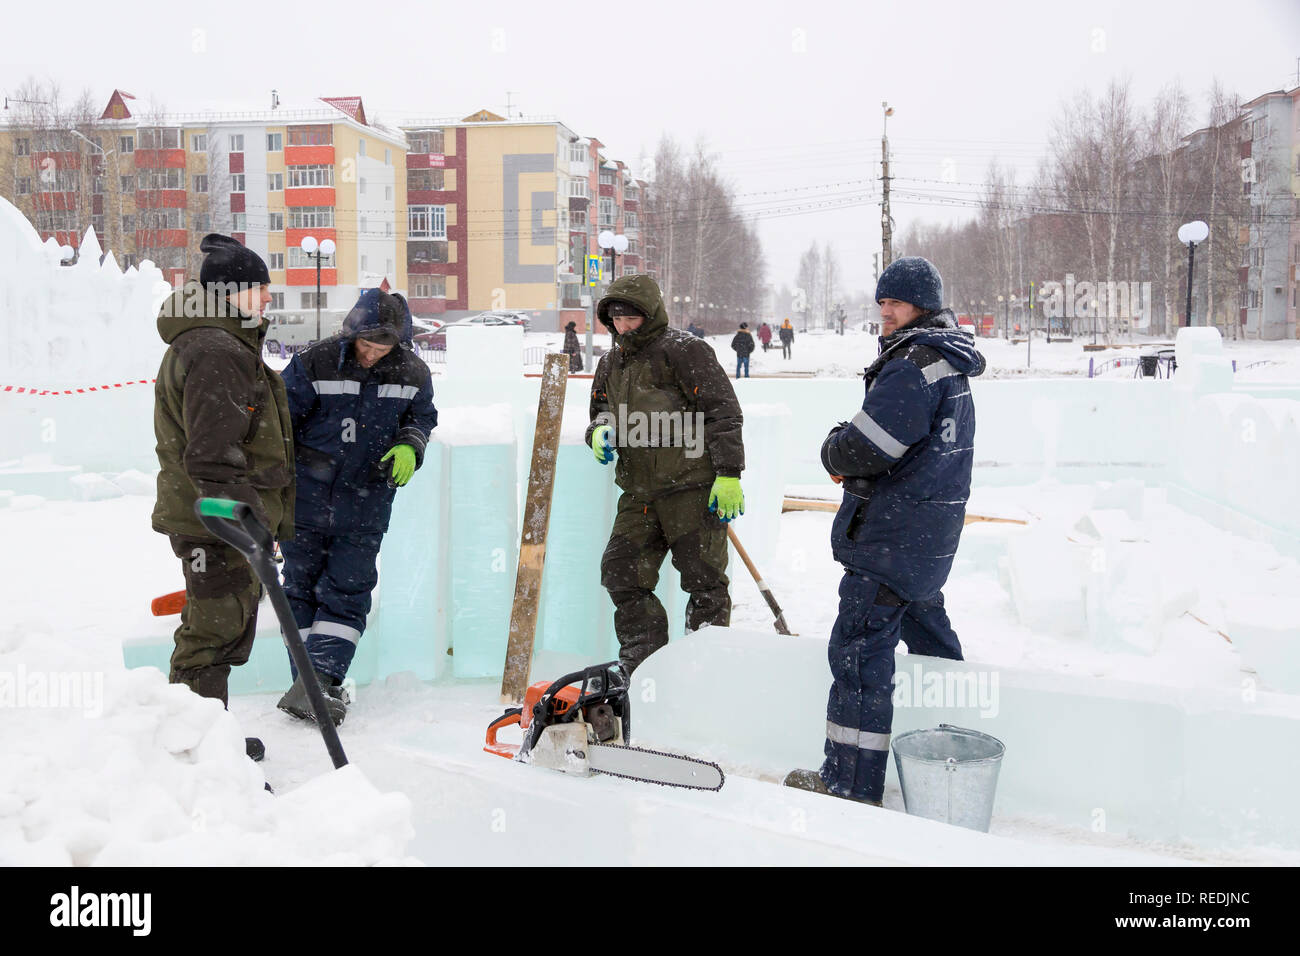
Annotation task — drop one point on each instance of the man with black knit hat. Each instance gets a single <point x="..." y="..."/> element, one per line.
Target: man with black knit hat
<point x="222" y="422"/>
<point x="661" y="401"/>
<point x="905" y="465"/>
<point x="362" y="408"/>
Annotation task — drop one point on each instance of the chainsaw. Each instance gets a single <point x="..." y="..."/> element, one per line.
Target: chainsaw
<point x="580" y="724"/>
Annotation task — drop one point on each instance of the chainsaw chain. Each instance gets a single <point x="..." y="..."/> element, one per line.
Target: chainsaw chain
<point x="722" y="777"/>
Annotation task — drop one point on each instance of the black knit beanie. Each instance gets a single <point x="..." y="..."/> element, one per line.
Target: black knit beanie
<point x="229" y="261"/>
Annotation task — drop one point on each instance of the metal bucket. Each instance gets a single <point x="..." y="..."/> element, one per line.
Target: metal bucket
<point x="949" y="774"/>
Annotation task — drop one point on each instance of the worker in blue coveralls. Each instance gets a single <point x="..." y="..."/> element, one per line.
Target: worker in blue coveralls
<point x="905" y="466"/>
<point x="361" y="403"/>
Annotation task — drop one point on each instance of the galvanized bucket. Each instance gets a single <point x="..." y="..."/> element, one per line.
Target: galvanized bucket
<point x="949" y="774"/>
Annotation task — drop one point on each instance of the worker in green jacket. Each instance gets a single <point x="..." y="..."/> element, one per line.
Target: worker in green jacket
<point x="221" y="418"/>
<point x="661" y="402"/>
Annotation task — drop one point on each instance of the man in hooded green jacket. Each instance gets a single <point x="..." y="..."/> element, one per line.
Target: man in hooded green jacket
<point x="221" y="418"/>
<point x="660" y="398"/>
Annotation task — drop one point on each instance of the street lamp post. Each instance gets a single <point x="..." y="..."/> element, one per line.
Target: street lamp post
<point x="316" y="250"/>
<point x="1192" y="233"/>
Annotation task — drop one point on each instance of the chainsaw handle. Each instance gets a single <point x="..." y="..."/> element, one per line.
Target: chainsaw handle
<point x="508" y="719"/>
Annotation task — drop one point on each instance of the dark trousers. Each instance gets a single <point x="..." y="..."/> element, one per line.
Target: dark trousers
<point x="328" y="579"/>
<point x="645" y="531"/>
<point x="860" y="709"/>
<point x="219" y="619"/>
<point x="786" y="348"/>
<point x="742" y="361"/>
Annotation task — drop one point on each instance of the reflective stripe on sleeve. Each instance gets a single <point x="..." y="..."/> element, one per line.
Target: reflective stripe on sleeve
<point x="398" y="391"/>
<point x="886" y="442"/>
<point x="940" y="369"/>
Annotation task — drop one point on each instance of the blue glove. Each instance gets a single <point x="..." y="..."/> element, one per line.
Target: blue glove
<point x="600" y="444"/>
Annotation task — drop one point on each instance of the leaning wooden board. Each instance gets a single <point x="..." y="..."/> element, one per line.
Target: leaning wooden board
<point x="537" y="518"/>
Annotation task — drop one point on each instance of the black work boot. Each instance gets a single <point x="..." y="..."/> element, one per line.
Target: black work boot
<point x="255" y="749"/>
<point x="296" y="702"/>
<point x="811" y="780"/>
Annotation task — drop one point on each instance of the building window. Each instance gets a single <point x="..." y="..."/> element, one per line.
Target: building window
<point x="274" y="142"/>
<point x="160" y="138"/>
<point x="275" y="222"/>
<point x="241" y="222"/>
<point x="301" y="260"/>
<point x="236" y="142"/>
<point x="237" y="183"/>
<point x="607" y="177"/>
<point x="430" y="287"/>
<point x="161" y="219"/>
<point x="276" y="262"/>
<point x="577" y="217"/>
<point x="361" y="186"/>
<point x="202" y="222"/>
<point x="361" y="147"/>
<point x="578" y="188"/>
<point x="310" y="300"/>
<point x="311" y="135"/>
<point x="126" y="144"/>
<point x="427" y="222"/>
<point x="578" y="153"/>
<point x="199" y="143"/>
<point x="388" y="157"/>
<point x="425" y="141"/>
<point x="311" y="217"/>
<point x="277" y="298"/>
<point x="388" y="267"/>
<point x="629" y="220"/>
<point x="606" y="211"/>
<point x="22" y="147"/>
<point x="128" y="223"/>
<point x="160" y="179"/>
<point x="425" y="179"/>
<point x="305" y="176"/>
<point x="201" y="184"/>
<point x="388" y="192"/>
<point x="25" y="185"/>
<point x="629" y="270"/>
<point x="362" y="229"/>
<point x="274" y="182"/>
<point x="388" y="229"/>
<point x="365" y="263"/>
<point x="126" y="184"/>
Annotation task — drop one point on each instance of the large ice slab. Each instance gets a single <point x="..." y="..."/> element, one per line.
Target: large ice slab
<point x="1155" y="763"/>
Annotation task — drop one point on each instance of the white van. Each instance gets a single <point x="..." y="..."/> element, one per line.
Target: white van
<point x="296" y="329"/>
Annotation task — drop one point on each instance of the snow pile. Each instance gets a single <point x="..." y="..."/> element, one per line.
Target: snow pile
<point x="101" y="765"/>
<point x="86" y="324"/>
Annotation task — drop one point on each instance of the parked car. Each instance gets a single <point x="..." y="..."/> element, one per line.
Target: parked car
<point x="497" y="317"/>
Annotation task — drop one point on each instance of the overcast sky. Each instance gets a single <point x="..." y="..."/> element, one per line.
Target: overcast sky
<point x="787" y="94"/>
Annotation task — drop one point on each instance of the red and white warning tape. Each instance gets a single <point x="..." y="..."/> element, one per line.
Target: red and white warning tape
<point x="23" y="390"/>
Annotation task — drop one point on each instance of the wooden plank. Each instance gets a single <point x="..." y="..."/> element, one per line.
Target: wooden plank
<point x="818" y="504"/>
<point x="537" y="518"/>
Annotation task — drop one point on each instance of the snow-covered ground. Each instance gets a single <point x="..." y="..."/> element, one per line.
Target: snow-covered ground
<point x="148" y="773"/>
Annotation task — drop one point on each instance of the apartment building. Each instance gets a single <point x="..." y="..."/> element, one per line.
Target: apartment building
<point x="501" y="216"/>
<point x="1270" y="156"/>
<point x="153" y="184"/>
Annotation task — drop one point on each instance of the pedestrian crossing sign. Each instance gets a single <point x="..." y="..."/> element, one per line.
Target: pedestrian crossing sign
<point x="593" y="270"/>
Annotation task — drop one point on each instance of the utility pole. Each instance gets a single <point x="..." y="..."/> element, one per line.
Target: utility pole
<point x="886" y="232"/>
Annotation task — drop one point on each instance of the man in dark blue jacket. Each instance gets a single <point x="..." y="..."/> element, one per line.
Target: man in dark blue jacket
<point x="361" y="403"/>
<point x="905" y="463"/>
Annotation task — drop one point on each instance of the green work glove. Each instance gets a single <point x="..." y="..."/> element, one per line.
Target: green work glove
<point x="600" y="444"/>
<point x="726" y="498"/>
<point x="403" y="463"/>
